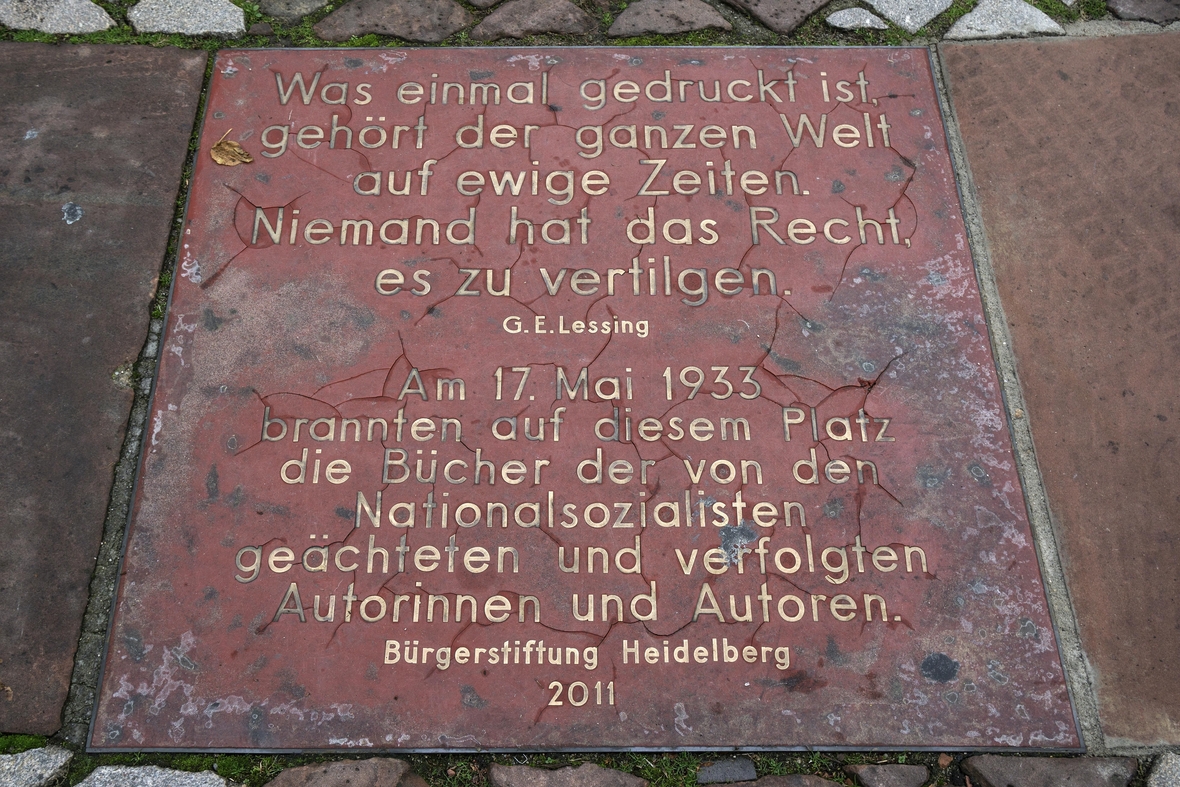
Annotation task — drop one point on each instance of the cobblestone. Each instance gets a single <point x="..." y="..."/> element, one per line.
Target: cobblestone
<point x="781" y="16"/>
<point x="150" y="776"/>
<point x="667" y="17"/>
<point x="856" y="19"/>
<point x="912" y="15"/>
<point x="520" y="18"/>
<point x="34" y="768"/>
<point x="375" y="772"/>
<point x="54" y="16"/>
<point x="586" y="775"/>
<point x="191" y="17"/>
<point x="738" y="769"/>
<point x="1165" y="772"/>
<point x="290" y="10"/>
<point x="990" y="770"/>
<point x="426" y="21"/>
<point x="889" y="775"/>
<point x="1004" y="19"/>
<point x="1162" y="12"/>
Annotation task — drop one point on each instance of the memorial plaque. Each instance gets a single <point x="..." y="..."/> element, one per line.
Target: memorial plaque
<point x="578" y="398"/>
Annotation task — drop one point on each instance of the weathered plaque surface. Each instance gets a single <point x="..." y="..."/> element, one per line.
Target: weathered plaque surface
<point x="578" y="398"/>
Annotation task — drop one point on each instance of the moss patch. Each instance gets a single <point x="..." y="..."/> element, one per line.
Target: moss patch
<point x="15" y="744"/>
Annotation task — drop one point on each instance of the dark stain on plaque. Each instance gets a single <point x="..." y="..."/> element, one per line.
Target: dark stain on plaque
<point x="470" y="697"/>
<point x="940" y="668"/>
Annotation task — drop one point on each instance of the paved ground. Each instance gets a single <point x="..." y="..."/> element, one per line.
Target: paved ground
<point x="1071" y="146"/>
<point x="95" y="140"/>
<point x="1083" y="227"/>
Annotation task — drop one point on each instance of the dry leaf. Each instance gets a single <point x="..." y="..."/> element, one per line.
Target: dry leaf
<point x="944" y="760"/>
<point x="229" y="153"/>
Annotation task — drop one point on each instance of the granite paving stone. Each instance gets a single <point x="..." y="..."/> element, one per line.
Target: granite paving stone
<point x="889" y="775"/>
<point x="1165" y="772"/>
<point x="375" y="772"/>
<point x="1067" y="140"/>
<point x="190" y="17"/>
<point x="1162" y="12"/>
<point x="1003" y="19"/>
<point x="781" y="16"/>
<point x="103" y="132"/>
<point x="586" y="775"/>
<point x="290" y="10"/>
<point x="426" y="21"/>
<point x="150" y="776"/>
<point x="738" y="769"/>
<point x="54" y="16"/>
<point x="34" y="768"/>
<point x="912" y="15"/>
<point x="856" y="19"/>
<point x="666" y="17"/>
<point x="990" y="770"/>
<point x="520" y="18"/>
<point x="794" y="780"/>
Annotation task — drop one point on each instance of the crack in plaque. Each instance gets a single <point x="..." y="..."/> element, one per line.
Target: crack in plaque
<point x="208" y="281"/>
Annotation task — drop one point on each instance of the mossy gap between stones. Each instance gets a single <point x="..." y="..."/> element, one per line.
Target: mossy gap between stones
<point x="746" y="30"/>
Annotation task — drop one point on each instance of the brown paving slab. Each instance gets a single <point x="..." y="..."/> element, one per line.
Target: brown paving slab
<point x="102" y="131"/>
<point x="1073" y="149"/>
<point x="285" y="337"/>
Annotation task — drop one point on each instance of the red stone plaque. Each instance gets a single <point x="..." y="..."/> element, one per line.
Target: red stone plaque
<point x="578" y="398"/>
